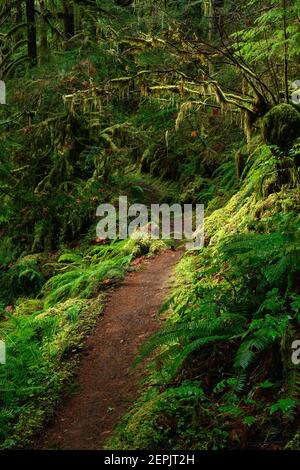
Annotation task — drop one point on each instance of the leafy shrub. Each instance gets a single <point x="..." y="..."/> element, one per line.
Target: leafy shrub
<point x="25" y="277"/>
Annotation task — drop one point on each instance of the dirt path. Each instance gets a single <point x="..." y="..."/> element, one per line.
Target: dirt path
<point x="107" y="384"/>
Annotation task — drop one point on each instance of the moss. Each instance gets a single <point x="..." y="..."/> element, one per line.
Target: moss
<point x="28" y="307"/>
<point x="41" y="370"/>
<point x="139" y="430"/>
<point x="281" y="126"/>
<point x="70" y="258"/>
<point x="140" y="245"/>
<point x="166" y="420"/>
<point x="193" y="189"/>
<point x="294" y="443"/>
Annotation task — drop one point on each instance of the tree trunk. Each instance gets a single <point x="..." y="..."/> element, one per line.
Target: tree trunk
<point x="69" y="23"/>
<point x="31" y="31"/>
<point x="210" y="32"/>
<point x="19" y="14"/>
<point x="286" y="71"/>
<point x="19" y="19"/>
<point x="43" y="27"/>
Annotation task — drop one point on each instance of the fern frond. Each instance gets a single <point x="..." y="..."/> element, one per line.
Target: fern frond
<point x="248" y="349"/>
<point x="224" y="326"/>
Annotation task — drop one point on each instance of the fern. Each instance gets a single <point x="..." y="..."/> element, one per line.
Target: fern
<point x="82" y="280"/>
<point x="248" y="349"/>
<point x="195" y="334"/>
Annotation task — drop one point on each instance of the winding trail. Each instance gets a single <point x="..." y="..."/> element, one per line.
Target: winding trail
<point x="107" y="384"/>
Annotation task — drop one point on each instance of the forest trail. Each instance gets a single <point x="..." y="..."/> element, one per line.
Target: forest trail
<point x="107" y="384"/>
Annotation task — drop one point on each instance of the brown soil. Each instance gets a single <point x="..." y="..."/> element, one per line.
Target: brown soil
<point x="107" y="384"/>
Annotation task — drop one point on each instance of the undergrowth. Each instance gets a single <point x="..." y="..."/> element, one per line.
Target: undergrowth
<point x="44" y="334"/>
<point x="222" y="375"/>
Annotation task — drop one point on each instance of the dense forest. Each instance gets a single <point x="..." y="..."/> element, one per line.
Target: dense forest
<point x="163" y="101"/>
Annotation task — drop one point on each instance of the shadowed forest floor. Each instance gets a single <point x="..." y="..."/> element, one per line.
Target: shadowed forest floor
<point x="106" y="383"/>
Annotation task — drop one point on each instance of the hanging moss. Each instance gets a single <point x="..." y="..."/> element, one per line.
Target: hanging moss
<point x="281" y="126"/>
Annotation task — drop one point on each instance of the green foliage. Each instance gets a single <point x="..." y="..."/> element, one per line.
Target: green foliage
<point x="40" y="358"/>
<point x="44" y="334"/>
<point x="285" y="406"/>
<point x="83" y="281"/>
<point x="264" y="33"/>
<point x="162" y="102"/>
<point x="25" y="277"/>
<point x="233" y="317"/>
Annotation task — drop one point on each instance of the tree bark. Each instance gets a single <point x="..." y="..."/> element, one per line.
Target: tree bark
<point x="286" y="65"/>
<point x="69" y="22"/>
<point x="19" y="18"/>
<point x="43" y="31"/>
<point x="19" y="14"/>
<point x="31" y="31"/>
